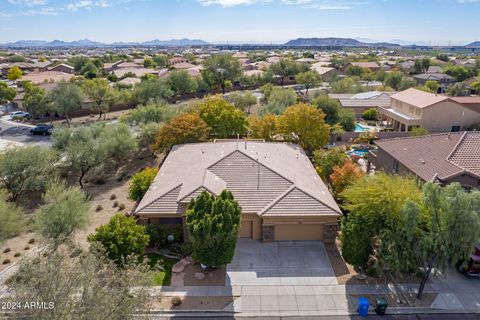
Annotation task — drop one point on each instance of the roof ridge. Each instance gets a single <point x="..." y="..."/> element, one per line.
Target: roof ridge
<point x="455" y="148"/>
<point x="258" y="160"/>
<point x="276" y="200"/>
<point x="421" y="137"/>
<point x="158" y="198"/>
<point x="287" y="192"/>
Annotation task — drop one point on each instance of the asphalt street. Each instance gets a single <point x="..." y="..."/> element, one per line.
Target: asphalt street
<point x="17" y="132"/>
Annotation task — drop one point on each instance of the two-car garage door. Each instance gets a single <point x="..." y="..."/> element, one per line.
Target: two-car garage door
<point x="298" y="232"/>
<point x="287" y="231"/>
<point x="246" y="229"/>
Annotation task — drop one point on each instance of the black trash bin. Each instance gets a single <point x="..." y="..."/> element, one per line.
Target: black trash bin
<point x="381" y="306"/>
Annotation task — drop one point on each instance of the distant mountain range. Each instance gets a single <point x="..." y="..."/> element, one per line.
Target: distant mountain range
<point x="475" y="44"/>
<point x="336" y="42"/>
<point x="90" y="43"/>
<point x="300" y="42"/>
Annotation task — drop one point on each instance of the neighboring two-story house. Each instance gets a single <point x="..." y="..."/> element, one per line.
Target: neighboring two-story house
<point x="436" y="113"/>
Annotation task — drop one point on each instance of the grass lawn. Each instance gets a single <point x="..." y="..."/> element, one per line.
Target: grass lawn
<point x="161" y="278"/>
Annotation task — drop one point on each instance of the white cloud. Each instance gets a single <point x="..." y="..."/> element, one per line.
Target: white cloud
<point x="44" y="11"/>
<point x="310" y="4"/>
<point x="28" y="2"/>
<point x="87" y="4"/>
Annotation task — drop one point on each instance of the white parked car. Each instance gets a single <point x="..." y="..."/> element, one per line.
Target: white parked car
<point x="19" y="114"/>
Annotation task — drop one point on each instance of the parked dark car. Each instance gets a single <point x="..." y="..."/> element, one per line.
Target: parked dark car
<point x="472" y="267"/>
<point x="42" y="129"/>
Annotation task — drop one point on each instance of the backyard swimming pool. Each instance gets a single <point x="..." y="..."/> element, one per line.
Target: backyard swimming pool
<point x="360" y="128"/>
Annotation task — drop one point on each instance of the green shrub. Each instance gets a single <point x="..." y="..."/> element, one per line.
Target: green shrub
<point x="121" y="206"/>
<point x="115" y="204"/>
<point x="121" y="238"/>
<point x="186" y="248"/>
<point x="7" y="250"/>
<point x="6" y="261"/>
<point x="140" y="183"/>
<point x="370" y="114"/>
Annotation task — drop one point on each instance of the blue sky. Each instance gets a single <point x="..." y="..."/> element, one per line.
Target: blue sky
<point x="266" y="21"/>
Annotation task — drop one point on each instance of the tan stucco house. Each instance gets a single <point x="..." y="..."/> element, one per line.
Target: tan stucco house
<point x="436" y="113"/>
<point x="281" y="195"/>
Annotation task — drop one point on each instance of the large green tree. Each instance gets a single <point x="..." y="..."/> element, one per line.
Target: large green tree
<point x="326" y="159"/>
<point x="35" y="100"/>
<point x="65" y="210"/>
<point x="155" y="113"/>
<point x="213" y="224"/>
<point x="370" y="202"/>
<point x="185" y="128"/>
<point x="434" y="234"/>
<point x="277" y="99"/>
<point x="150" y="91"/>
<point x="12" y="218"/>
<point x="26" y="169"/>
<point x="6" y="94"/>
<point x="121" y="238"/>
<point x="66" y="98"/>
<point x="304" y="124"/>
<point x="82" y="287"/>
<point x="221" y="69"/>
<point x="222" y="117"/>
<point x="309" y="79"/>
<point x="182" y="83"/>
<point x="100" y="93"/>
<point x="330" y="107"/>
<point x="264" y="127"/>
<point x="286" y="68"/>
<point x="243" y="101"/>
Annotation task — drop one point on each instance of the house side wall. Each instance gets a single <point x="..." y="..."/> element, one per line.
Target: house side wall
<point x="383" y="161"/>
<point x="442" y="116"/>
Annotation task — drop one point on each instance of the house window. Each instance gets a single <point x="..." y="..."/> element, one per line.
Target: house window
<point x="455" y="128"/>
<point x="411" y="109"/>
<point x="396" y="166"/>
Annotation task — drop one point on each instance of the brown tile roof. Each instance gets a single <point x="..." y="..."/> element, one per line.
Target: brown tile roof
<point x="265" y="178"/>
<point x="366" y="64"/>
<point x="47" y="76"/>
<point x="419" y="98"/>
<point x="437" y="155"/>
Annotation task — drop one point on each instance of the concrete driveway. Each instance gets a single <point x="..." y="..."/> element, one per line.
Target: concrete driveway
<point x="286" y="263"/>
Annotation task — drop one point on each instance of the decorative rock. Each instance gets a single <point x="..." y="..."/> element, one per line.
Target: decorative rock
<point x="199" y="276"/>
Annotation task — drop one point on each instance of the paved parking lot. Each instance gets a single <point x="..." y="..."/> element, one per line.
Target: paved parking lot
<point x="286" y="263"/>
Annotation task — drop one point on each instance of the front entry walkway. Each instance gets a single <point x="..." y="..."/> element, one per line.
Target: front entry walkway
<point x="286" y="263"/>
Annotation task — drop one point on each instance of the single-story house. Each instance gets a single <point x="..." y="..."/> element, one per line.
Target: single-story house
<point x="444" y="80"/>
<point x="360" y="102"/>
<point x="129" y="81"/>
<point x="47" y="76"/>
<point x="373" y="66"/>
<point x="65" y="68"/>
<point x="443" y="158"/>
<point x="281" y="195"/>
<point x="120" y="73"/>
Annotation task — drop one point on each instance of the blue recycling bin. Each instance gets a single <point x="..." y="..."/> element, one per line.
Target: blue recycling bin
<point x="363" y="305"/>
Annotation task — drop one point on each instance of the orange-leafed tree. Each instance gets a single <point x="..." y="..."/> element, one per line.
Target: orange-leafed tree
<point x="344" y="176"/>
<point x="184" y="128"/>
